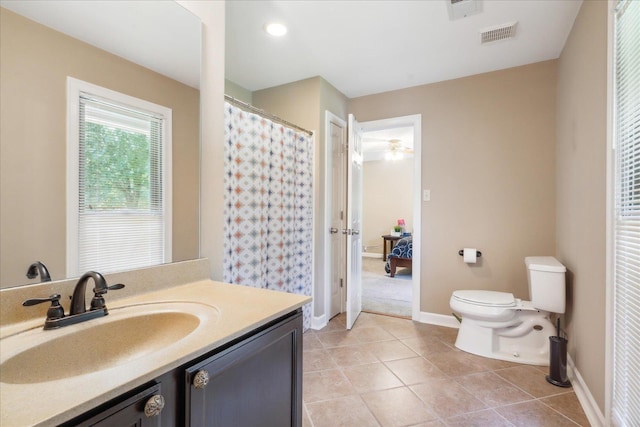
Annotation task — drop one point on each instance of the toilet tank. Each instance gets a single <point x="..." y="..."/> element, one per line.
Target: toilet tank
<point x="546" y="277"/>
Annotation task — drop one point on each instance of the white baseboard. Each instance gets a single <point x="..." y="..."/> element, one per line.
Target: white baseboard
<point x="371" y="255"/>
<point x="318" y="322"/>
<point x="438" y="319"/>
<point x="589" y="405"/>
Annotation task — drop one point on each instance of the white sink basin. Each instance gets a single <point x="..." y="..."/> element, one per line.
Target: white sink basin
<point x="126" y="334"/>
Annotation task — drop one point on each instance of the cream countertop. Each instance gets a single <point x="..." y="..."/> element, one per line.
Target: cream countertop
<point x="240" y="310"/>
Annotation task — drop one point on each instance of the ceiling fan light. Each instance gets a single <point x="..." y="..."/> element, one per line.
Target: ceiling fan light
<point x="275" y="29"/>
<point x="393" y="155"/>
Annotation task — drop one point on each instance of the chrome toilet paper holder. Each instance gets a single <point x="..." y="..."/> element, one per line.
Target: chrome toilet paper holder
<point x="461" y="253"/>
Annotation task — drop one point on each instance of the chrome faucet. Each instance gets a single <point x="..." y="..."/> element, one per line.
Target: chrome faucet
<point x="78" y="310"/>
<point x="38" y="268"/>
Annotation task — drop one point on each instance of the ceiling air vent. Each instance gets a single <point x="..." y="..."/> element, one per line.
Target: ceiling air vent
<point x="463" y="8"/>
<point x="501" y="32"/>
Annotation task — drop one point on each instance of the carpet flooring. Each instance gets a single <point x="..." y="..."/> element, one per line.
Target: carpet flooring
<point x="384" y="294"/>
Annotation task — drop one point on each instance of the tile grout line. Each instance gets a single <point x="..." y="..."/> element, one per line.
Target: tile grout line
<point x="533" y="398"/>
<point x="555" y="410"/>
<point x="418" y="335"/>
<point x="370" y="411"/>
<point x="306" y="412"/>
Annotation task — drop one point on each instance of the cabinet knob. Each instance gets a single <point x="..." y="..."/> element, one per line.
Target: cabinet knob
<point x="201" y="379"/>
<point x="154" y="406"/>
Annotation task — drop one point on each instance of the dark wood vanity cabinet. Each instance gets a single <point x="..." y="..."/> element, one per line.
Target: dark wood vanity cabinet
<point x="255" y="380"/>
<point x="254" y="383"/>
<point x="128" y="412"/>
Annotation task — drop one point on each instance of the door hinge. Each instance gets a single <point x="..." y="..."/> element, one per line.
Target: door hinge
<point x="341" y="215"/>
<point x="341" y="283"/>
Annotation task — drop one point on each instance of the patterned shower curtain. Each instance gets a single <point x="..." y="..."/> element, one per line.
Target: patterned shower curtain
<point x="268" y="196"/>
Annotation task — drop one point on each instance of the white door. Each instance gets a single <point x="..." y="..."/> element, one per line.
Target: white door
<point x="354" y="221"/>
<point x="338" y="201"/>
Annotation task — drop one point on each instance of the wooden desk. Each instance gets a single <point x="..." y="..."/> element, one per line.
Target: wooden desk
<point x="392" y="242"/>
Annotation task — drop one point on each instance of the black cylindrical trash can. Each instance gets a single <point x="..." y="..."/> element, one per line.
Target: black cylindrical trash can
<point x="558" y="362"/>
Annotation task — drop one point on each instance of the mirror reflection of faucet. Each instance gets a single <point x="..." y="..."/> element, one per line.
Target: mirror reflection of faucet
<point x="78" y="309"/>
<point x="38" y="268"/>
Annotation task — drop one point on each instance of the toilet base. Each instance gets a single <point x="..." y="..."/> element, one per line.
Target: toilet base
<point x="527" y="341"/>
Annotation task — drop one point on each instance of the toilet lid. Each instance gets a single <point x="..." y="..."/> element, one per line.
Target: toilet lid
<point x="489" y="298"/>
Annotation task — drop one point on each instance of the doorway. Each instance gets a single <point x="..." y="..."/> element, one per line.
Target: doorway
<point x="335" y="185"/>
<point x="392" y="187"/>
<point x="387" y="203"/>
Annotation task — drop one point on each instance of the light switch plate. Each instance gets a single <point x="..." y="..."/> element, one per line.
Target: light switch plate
<point x="426" y="195"/>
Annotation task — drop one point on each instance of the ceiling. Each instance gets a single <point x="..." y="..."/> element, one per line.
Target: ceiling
<point x="364" y="47"/>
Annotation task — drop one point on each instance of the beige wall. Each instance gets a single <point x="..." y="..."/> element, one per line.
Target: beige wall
<point x="581" y="195"/>
<point x="387" y="196"/>
<point x="488" y="157"/>
<point x="35" y="64"/>
<point x="238" y="92"/>
<point x="296" y="102"/>
<point x="331" y="99"/>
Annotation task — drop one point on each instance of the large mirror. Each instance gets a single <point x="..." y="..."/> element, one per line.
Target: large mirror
<point x="149" y="50"/>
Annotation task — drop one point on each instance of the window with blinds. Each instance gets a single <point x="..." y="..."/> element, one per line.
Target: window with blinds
<point x="120" y="206"/>
<point x="625" y="408"/>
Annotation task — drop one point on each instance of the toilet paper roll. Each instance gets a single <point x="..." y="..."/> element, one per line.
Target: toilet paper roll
<point x="470" y="255"/>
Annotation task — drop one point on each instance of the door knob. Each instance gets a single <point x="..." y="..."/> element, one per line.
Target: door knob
<point x="333" y="230"/>
<point x="356" y="232"/>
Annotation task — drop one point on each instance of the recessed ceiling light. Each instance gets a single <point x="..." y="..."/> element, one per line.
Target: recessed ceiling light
<point x="275" y="29"/>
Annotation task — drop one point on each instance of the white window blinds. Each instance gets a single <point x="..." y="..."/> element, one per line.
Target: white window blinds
<point x="121" y="206"/>
<point x="626" y="342"/>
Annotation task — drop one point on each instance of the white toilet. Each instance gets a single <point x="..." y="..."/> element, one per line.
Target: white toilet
<point x="497" y="325"/>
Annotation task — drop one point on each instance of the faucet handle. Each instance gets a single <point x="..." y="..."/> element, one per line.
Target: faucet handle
<point x="108" y="288"/>
<point x="54" y="312"/>
<point x="97" y="302"/>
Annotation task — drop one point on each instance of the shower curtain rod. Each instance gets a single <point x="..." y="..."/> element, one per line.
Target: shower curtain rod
<point x="263" y="113"/>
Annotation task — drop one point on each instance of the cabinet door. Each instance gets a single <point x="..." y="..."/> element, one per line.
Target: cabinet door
<point x="255" y="383"/>
<point x="128" y="413"/>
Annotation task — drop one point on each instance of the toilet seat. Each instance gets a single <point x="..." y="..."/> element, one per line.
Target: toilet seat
<point x="490" y="306"/>
<point x="486" y="298"/>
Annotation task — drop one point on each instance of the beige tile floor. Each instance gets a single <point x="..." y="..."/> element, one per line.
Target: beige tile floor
<point x="389" y="371"/>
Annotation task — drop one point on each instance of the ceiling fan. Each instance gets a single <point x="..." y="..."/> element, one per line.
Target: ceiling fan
<point x="386" y="145"/>
<point x="397" y="150"/>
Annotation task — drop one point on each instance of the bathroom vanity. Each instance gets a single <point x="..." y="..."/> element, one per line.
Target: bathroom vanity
<point x="252" y="381"/>
<point x="199" y="353"/>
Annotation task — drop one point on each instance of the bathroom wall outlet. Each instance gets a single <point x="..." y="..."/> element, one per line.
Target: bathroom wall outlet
<point x="426" y="195"/>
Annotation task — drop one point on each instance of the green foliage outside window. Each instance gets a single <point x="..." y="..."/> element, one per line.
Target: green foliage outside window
<point x="117" y="169"/>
